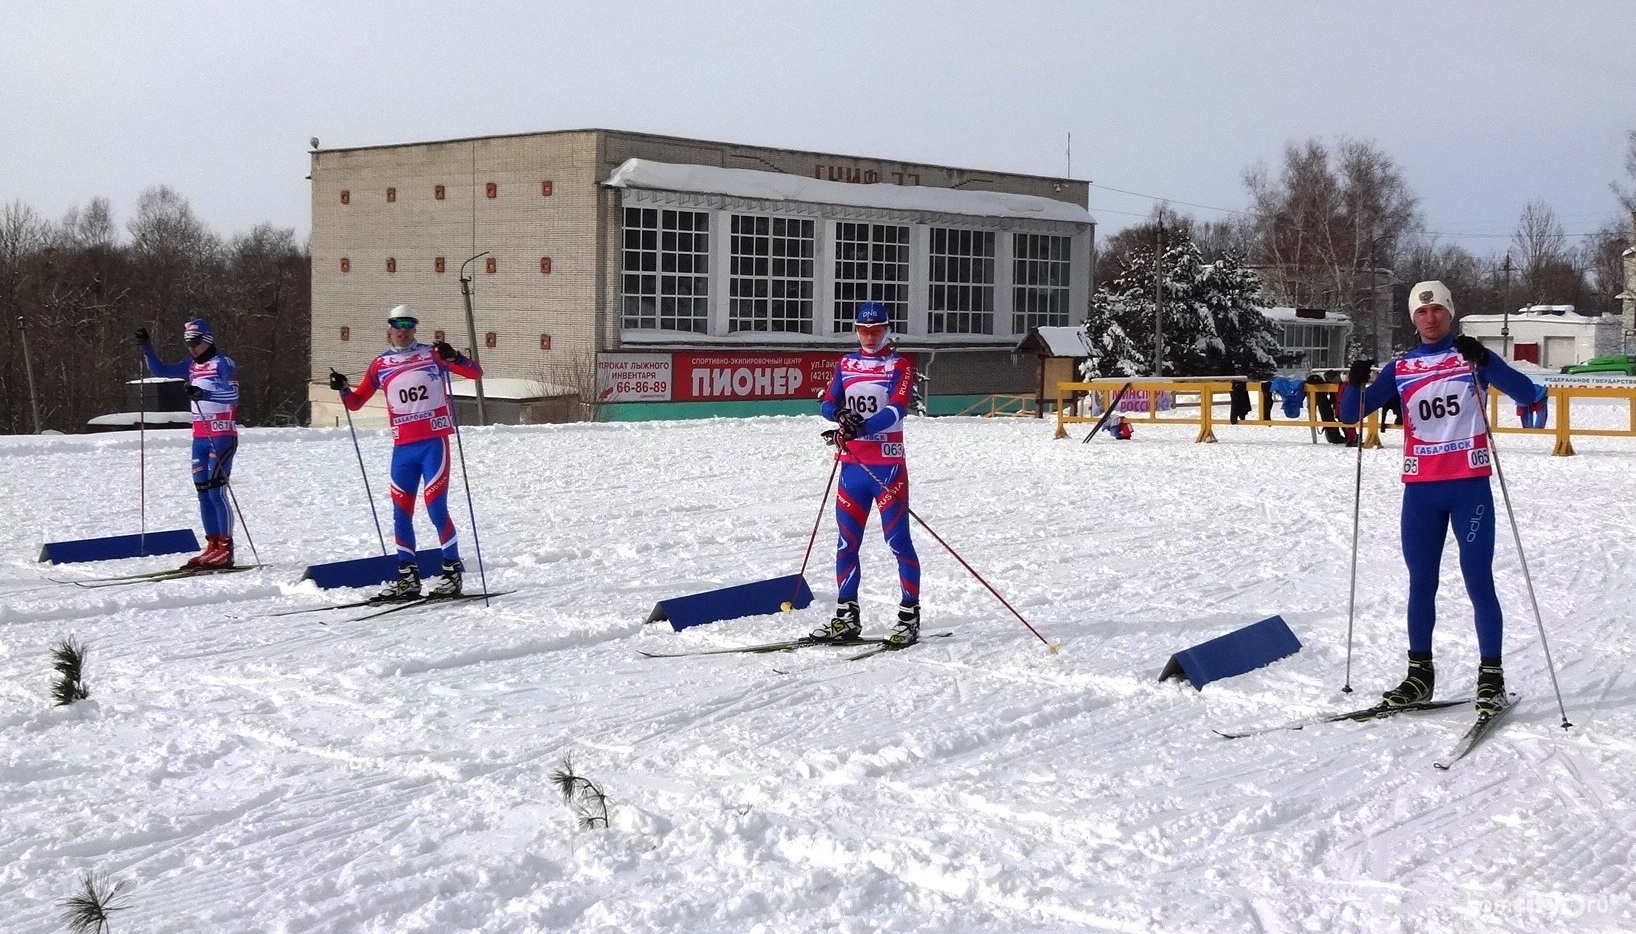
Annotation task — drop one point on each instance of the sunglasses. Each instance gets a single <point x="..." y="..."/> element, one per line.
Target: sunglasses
<point x="402" y="324"/>
<point x="193" y="341"/>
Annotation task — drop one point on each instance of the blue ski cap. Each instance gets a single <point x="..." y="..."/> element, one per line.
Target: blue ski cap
<point x="871" y="313"/>
<point x="197" y="331"/>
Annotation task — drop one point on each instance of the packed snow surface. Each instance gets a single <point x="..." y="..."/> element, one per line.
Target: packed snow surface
<point x="241" y="771"/>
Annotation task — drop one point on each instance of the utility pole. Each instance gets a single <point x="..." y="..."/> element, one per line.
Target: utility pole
<point x="1158" y="303"/>
<point x="28" y="368"/>
<point x="1505" y="309"/>
<point x="471" y="334"/>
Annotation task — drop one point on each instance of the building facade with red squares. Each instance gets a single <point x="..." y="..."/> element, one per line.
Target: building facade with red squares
<point x="625" y="275"/>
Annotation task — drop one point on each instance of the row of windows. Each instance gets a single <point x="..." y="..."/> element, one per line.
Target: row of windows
<point x="772" y="274"/>
<point x="490" y="190"/>
<point x="1312" y="341"/>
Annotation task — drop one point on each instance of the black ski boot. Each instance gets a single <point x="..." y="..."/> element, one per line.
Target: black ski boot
<point x="845" y="627"/>
<point x="1490" y="687"/>
<point x="1417" y="686"/>
<point x="449" y="584"/>
<point x="406" y="587"/>
<point x="907" y="631"/>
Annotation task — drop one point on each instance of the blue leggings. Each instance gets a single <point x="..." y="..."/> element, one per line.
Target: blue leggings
<point x="212" y="467"/>
<point x="1429" y="509"/>
<point x="411" y="463"/>
<point x="853" y="498"/>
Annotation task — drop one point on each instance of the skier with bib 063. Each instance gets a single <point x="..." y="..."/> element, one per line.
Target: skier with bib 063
<point x="867" y="398"/>
<point x="1442" y="385"/>
<point x="213" y="395"/>
<point x="413" y="378"/>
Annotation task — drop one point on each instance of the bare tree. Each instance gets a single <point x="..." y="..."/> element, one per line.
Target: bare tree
<point x="1602" y="258"/>
<point x="1552" y="273"/>
<point x="1628" y="198"/>
<point x="1327" y="225"/>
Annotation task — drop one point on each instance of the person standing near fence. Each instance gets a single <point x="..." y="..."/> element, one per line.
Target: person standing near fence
<point x="1442" y="385"/>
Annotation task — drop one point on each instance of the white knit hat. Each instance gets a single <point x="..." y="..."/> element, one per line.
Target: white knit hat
<point x="1431" y="292"/>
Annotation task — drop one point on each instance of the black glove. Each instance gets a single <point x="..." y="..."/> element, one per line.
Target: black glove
<point x="337" y="381"/>
<point x="194" y="393"/>
<point x="1472" y="349"/>
<point x="142" y="337"/>
<point x="1358" y="374"/>
<point x="848" y="425"/>
<point x="445" y="351"/>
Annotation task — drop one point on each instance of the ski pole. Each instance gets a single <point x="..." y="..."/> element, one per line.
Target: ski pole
<point x="1516" y="535"/>
<point x="358" y="451"/>
<point x="142" y="446"/>
<point x="471" y="511"/>
<point x="1112" y="407"/>
<point x="1054" y="647"/>
<point x="833" y="470"/>
<point x="1357" y="501"/>
<point x="242" y="524"/>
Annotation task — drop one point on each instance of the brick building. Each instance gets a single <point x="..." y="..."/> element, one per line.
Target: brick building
<point x="654" y="276"/>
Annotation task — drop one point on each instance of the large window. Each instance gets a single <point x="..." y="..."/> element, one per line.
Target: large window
<point x="1040" y="282"/>
<point x="1311" y="341"/>
<point x="871" y="264"/>
<point x="961" y="279"/>
<point x="771" y="275"/>
<point x="667" y="270"/>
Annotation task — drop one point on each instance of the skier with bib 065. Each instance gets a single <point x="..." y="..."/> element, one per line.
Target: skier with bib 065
<point x="413" y="378"/>
<point x="867" y="399"/>
<point x="1442" y="385"/>
<point x="213" y="394"/>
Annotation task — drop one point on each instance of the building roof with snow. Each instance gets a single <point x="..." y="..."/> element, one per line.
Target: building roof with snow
<point x="777" y="186"/>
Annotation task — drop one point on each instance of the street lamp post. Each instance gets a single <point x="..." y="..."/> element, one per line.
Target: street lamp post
<point x="1158" y="303"/>
<point x="471" y="333"/>
<point x="1505" y="310"/>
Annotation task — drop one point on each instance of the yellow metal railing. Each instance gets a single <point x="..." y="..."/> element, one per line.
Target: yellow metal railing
<point x="1207" y="390"/>
<point x="998" y="405"/>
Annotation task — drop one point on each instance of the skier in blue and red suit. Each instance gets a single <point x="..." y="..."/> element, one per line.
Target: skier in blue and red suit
<point x="213" y="390"/>
<point x="1446" y="465"/>
<point x="867" y="399"/>
<point x="412" y="377"/>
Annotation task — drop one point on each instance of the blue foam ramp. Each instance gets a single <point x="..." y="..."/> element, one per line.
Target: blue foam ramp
<point x="171" y="542"/>
<point x="753" y="599"/>
<point x="1241" y="650"/>
<point x="367" y="572"/>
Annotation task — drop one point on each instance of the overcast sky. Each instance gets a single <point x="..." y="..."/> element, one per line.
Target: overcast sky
<point x="1484" y="105"/>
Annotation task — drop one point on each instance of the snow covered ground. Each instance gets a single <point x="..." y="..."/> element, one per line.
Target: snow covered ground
<point x="245" y="772"/>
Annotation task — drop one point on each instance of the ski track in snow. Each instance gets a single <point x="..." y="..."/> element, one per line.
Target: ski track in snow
<point x="312" y="773"/>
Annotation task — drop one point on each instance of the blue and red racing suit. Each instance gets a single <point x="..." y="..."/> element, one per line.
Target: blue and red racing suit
<point x="1446" y="464"/>
<point x="877" y="387"/>
<point x="417" y="405"/>
<point x="215" y="429"/>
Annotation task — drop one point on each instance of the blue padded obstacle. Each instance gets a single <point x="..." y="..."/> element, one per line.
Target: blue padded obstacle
<point x="367" y="572"/>
<point x="1243" y="650"/>
<point x="754" y="599"/>
<point x="172" y="542"/>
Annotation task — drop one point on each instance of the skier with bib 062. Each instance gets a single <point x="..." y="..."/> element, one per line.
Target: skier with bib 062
<point x="413" y="378"/>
